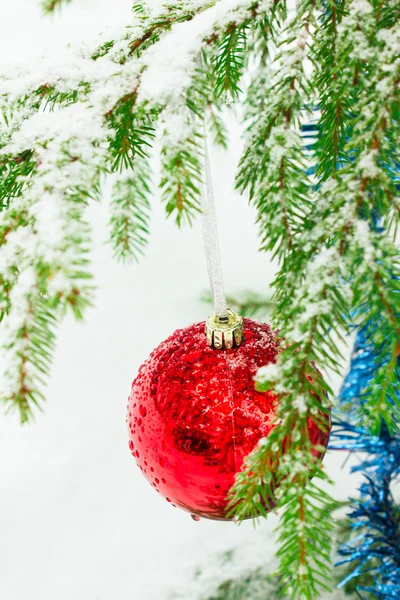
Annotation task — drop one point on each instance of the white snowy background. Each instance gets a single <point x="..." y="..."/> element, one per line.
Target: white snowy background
<point x="77" y="518"/>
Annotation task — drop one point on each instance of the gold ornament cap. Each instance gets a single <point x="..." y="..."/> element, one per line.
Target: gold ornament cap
<point x="224" y="332"/>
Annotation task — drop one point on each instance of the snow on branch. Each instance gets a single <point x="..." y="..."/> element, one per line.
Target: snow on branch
<point x="68" y="122"/>
<point x="326" y="196"/>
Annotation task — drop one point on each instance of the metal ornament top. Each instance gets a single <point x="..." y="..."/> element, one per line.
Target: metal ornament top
<point x="224" y="332"/>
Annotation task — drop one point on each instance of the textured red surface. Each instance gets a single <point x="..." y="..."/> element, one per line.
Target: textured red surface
<point x="194" y="414"/>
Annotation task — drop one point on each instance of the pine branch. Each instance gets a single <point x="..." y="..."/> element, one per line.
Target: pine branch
<point x="217" y="128"/>
<point x="202" y="100"/>
<point x="380" y="317"/>
<point x="278" y="472"/>
<point x="305" y="525"/>
<point x="133" y="133"/>
<point x="63" y="132"/>
<point x="330" y="245"/>
<point x="336" y="88"/>
<point x="248" y="304"/>
<point x="311" y="312"/>
<point x="69" y="284"/>
<point x="50" y="6"/>
<point x="130" y="209"/>
<point x="273" y="165"/>
<point x="48" y="97"/>
<point x="13" y="171"/>
<point x="181" y="177"/>
<point x="255" y="584"/>
<point x="365" y="189"/>
<point x="163" y="23"/>
<point x="229" y="61"/>
<point x="29" y="343"/>
<point x="44" y="272"/>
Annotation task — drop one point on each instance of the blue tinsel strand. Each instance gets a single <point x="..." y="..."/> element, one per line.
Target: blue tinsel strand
<point x="374" y="516"/>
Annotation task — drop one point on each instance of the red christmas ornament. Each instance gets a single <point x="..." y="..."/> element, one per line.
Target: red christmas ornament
<point x="194" y="415"/>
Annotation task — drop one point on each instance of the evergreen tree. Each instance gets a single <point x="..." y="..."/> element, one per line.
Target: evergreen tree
<point x="173" y="67"/>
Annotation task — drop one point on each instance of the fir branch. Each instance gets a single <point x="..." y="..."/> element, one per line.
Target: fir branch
<point x="52" y="159"/>
<point x="31" y="344"/>
<point x="273" y="166"/>
<point x="13" y="172"/>
<point x="42" y="276"/>
<point x="336" y="90"/>
<point x="303" y="281"/>
<point x="200" y="94"/>
<point x="202" y="100"/>
<point x="306" y="525"/>
<point x="229" y="61"/>
<point x="49" y="97"/>
<point x="248" y="304"/>
<point x="69" y="283"/>
<point x="285" y="461"/>
<point x="363" y="190"/>
<point x="50" y="6"/>
<point x="130" y="209"/>
<point x="163" y="23"/>
<point x="380" y="283"/>
<point x="217" y="127"/>
<point x="181" y="177"/>
<point x="255" y="584"/>
<point x="332" y="254"/>
<point x="133" y="131"/>
<point x="251" y="305"/>
<point x="332" y="244"/>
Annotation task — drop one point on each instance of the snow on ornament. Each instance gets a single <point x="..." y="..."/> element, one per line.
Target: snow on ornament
<point x="194" y="413"/>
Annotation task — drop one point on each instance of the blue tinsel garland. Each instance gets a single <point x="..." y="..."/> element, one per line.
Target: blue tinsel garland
<point x="374" y="516"/>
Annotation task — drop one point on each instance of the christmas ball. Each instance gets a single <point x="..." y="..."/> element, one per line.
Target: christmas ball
<point x="194" y="415"/>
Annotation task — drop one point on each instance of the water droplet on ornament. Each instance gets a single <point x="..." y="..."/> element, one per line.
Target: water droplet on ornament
<point x="164" y="480"/>
<point x="168" y="499"/>
<point x="195" y="517"/>
<point x="152" y="469"/>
